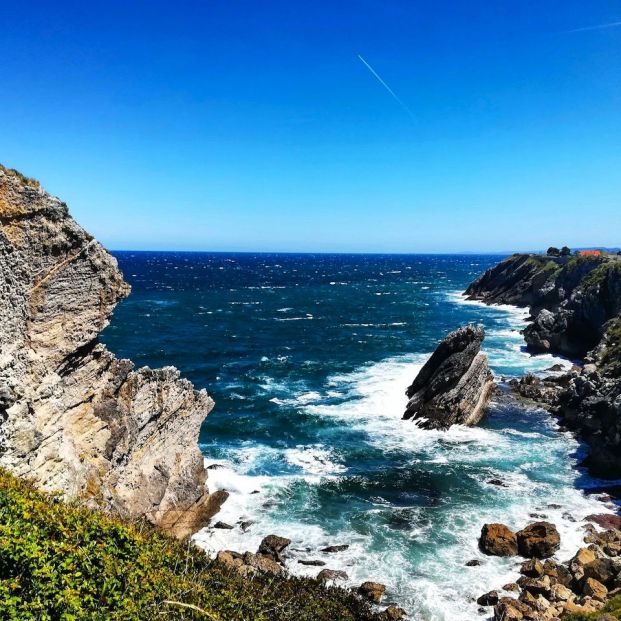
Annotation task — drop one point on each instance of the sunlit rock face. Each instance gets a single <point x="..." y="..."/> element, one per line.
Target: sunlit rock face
<point x="73" y="417"/>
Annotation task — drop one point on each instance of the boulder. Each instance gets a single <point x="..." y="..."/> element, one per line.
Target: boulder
<point x="602" y="569"/>
<point x="498" y="540"/>
<point x="536" y="586"/>
<point x="509" y="609"/>
<point x="539" y="540"/>
<point x="331" y="575"/>
<point x="394" y="613"/>
<point x="595" y="589"/>
<point x="312" y="563"/>
<point x="488" y="599"/>
<point x="223" y="526"/>
<point x="230" y="559"/>
<point x="273" y="546"/>
<point x="511" y="586"/>
<point x="532" y="568"/>
<point x="605" y="520"/>
<point x="373" y="591"/>
<point x="333" y="549"/>
<point x="455" y="385"/>
<point x="262" y="562"/>
<point x="560" y="593"/>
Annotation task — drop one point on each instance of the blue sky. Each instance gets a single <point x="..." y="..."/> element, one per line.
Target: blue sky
<point x="245" y="125"/>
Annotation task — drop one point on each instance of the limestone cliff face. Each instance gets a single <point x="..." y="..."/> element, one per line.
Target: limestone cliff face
<point x="72" y="416"/>
<point x="455" y="385"/>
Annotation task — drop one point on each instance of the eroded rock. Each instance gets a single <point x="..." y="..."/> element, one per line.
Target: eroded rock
<point x="539" y="540"/>
<point x="498" y="540"/>
<point x="373" y="591"/>
<point x="455" y="385"/>
<point x="74" y="417"/>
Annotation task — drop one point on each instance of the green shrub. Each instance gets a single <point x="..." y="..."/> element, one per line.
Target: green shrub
<point x="33" y="183"/>
<point x="601" y="273"/>
<point x="60" y="561"/>
<point x="610" y="356"/>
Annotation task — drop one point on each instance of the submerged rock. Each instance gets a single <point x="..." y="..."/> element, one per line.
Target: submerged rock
<point x="333" y="549"/>
<point x="488" y="599"/>
<point x="455" y="385"/>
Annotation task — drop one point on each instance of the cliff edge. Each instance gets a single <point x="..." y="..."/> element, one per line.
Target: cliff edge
<point x="73" y="417"/>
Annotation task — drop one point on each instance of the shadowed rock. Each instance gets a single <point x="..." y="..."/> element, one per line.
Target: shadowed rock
<point x="455" y="385"/>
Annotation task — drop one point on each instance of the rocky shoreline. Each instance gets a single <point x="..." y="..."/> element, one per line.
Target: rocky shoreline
<point x="575" y="306"/>
<point x="75" y="418"/>
<point x="270" y="558"/>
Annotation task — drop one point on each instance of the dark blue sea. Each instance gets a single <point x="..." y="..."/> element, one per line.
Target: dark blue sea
<point x="307" y="358"/>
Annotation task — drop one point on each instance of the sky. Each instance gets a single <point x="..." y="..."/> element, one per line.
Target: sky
<point x="366" y="126"/>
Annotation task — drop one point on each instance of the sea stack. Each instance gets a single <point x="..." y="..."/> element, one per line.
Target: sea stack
<point x="73" y="417"/>
<point x="455" y="385"/>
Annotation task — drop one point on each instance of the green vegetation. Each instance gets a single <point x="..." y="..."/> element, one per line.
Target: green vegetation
<point x="613" y="608"/>
<point x="542" y="263"/>
<point x="600" y="273"/>
<point x="60" y="561"/>
<point x="33" y="183"/>
<point x="609" y="359"/>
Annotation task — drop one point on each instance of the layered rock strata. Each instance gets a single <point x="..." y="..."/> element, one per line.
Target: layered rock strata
<point x="73" y="417"/>
<point x="455" y="385"/>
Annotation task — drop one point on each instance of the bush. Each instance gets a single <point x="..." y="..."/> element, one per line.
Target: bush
<point x="553" y="251"/>
<point x="60" y="561"/>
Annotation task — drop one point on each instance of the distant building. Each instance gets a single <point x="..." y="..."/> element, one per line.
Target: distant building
<point x="590" y="253"/>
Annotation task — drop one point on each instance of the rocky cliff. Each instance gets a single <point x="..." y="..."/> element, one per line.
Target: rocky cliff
<point x="455" y="385"/>
<point x="73" y="417"/>
<point x="571" y="298"/>
<point x="575" y="304"/>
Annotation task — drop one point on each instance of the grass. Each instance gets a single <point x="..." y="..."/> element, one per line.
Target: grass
<point x="61" y="561"/>
<point x="613" y="608"/>
<point x="543" y="263"/>
<point x="27" y="181"/>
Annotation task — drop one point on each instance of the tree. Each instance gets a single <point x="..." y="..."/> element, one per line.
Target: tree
<point x="565" y="251"/>
<point x="553" y="252"/>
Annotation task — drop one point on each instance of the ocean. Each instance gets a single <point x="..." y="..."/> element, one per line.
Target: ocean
<point x="308" y="358"/>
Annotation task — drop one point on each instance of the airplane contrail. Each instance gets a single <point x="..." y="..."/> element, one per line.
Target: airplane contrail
<point x="381" y="81"/>
<point x="598" y="27"/>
